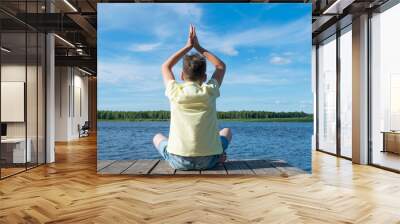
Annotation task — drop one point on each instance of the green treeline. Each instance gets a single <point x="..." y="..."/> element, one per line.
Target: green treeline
<point x="228" y="115"/>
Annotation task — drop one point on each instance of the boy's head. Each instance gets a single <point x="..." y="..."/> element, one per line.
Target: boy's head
<point x="194" y="68"/>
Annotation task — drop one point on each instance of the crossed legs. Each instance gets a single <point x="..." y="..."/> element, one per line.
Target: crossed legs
<point x="158" y="138"/>
<point x="226" y="132"/>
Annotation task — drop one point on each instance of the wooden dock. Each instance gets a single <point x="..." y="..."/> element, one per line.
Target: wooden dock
<point x="161" y="167"/>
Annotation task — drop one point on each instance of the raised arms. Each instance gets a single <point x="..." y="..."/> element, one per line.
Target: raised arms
<point x="218" y="63"/>
<point x="166" y="68"/>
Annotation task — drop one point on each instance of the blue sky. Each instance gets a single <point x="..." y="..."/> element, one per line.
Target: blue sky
<point x="266" y="47"/>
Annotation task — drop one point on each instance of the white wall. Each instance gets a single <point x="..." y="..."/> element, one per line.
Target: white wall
<point x="62" y="82"/>
<point x="17" y="73"/>
<point x="71" y="94"/>
<point x="33" y="126"/>
<point x="81" y="108"/>
<point x="13" y="101"/>
<point x="14" y="73"/>
<point x="9" y="73"/>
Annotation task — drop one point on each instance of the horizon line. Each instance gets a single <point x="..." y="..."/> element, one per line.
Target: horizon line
<point x="217" y="111"/>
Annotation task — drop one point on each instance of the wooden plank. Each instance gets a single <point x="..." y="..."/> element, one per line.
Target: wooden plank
<point x="263" y="167"/>
<point x="285" y="168"/>
<point x="103" y="163"/>
<point x="219" y="169"/>
<point x="72" y="192"/>
<point x="163" y="168"/>
<point x="187" y="172"/>
<point x="237" y="167"/>
<point x="141" y="167"/>
<point x="117" y="167"/>
<point x="156" y="167"/>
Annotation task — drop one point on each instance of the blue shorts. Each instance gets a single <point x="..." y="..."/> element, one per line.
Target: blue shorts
<point x="191" y="163"/>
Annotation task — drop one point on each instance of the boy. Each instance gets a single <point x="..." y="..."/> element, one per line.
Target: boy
<point x="194" y="142"/>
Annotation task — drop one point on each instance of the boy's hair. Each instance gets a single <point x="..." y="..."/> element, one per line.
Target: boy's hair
<point x="194" y="67"/>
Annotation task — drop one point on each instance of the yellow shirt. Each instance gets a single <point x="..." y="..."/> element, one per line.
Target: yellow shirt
<point x="193" y="129"/>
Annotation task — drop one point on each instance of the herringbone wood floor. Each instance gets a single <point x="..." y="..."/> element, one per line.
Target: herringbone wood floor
<point x="70" y="191"/>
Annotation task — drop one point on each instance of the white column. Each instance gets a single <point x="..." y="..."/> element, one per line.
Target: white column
<point x="50" y="100"/>
<point x="50" y="92"/>
<point x="314" y="92"/>
<point x="360" y="90"/>
<point x="63" y="99"/>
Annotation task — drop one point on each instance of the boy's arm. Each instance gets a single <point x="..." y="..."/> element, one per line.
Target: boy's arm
<point x="220" y="67"/>
<point x="166" y="68"/>
<point x="218" y="63"/>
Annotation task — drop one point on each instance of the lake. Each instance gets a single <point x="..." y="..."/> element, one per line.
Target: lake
<point x="289" y="141"/>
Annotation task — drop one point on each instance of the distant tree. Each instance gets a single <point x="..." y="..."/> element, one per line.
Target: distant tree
<point x="165" y="115"/>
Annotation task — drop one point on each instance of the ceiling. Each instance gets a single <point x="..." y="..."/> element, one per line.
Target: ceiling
<point x="75" y="22"/>
<point x="331" y="15"/>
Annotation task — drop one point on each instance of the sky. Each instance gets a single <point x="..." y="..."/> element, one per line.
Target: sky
<point x="266" y="48"/>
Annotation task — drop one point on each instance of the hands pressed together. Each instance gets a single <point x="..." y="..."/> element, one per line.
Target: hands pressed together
<point x="192" y="39"/>
<point x="192" y="42"/>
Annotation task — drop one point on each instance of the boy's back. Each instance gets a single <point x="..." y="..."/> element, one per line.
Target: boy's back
<point x="194" y="142"/>
<point x="193" y="129"/>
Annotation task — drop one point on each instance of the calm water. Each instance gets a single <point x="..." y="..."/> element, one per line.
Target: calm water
<point x="290" y="141"/>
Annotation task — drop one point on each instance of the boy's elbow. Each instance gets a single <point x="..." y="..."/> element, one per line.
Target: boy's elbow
<point x="221" y="66"/>
<point x="165" y="66"/>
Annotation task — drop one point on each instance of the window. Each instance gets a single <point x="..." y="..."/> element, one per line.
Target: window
<point x="346" y="92"/>
<point x="385" y="89"/>
<point x="327" y="95"/>
<point x="22" y="88"/>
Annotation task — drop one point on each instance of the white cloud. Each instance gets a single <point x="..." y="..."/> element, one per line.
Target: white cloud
<point x="126" y="71"/>
<point x="260" y="73"/>
<point x="161" y="20"/>
<point x="254" y="79"/>
<point x="229" y="50"/>
<point x="174" y="27"/>
<point x="278" y="60"/>
<point x="144" y="47"/>
<point x="228" y="43"/>
<point x="129" y="79"/>
<point x="187" y="10"/>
